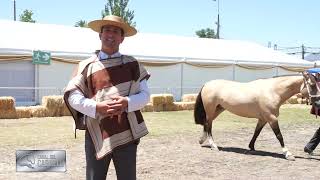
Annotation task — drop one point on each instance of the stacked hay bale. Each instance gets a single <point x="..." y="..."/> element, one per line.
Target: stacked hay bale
<point x="52" y="106"/>
<point x="187" y="102"/>
<point x="189" y="97"/>
<point x="296" y="99"/>
<point x="147" y="108"/>
<point x="7" y="108"/>
<point x="23" y="112"/>
<point x="180" y="106"/>
<point x="37" y="111"/>
<point x="162" y="102"/>
<point x="55" y="106"/>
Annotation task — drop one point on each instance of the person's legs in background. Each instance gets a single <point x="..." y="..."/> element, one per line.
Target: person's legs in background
<point x="313" y="143"/>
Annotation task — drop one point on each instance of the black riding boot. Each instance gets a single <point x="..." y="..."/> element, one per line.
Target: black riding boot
<point x="313" y="143"/>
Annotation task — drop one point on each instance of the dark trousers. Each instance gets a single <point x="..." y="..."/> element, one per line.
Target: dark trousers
<point x="314" y="141"/>
<point x="124" y="160"/>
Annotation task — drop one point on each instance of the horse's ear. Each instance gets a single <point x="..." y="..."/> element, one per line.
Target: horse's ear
<point x="305" y="74"/>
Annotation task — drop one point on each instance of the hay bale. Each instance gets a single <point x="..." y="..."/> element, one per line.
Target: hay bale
<point x="38" y="111"/>
<point x="54" y="104"/>
<point x="8" y="114"/>
<point x="147" y="108"/>
<point x="293" y="100"/>
<point x="189" y="97"/>
<point x="302" y="101"/>
<point x="7" y="103"/>
<point x="168" y="98"/>
<point x="184" y="105"/>
<point x="65" y="111"/>
<point x="156" y="99"/>
<point x="7" y="108"/>
<point x="23" y="112"/>
<point x="162" y="102"/>
<point x="158" y="108"/>
<point x="170" y="107"/>
<point x="51" y="101"/>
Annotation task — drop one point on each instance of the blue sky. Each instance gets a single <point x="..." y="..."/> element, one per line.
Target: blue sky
<point x="286" y="23"/>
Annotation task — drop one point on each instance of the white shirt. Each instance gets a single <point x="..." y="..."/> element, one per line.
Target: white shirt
<point x="88" y="106"/>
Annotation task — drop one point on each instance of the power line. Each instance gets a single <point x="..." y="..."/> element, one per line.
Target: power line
<point x="302" y="50"/>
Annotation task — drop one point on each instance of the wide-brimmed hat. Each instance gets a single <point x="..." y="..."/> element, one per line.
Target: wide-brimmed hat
<point x="112" y="20"/>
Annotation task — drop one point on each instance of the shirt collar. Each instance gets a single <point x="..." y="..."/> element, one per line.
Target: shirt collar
<point x="103" y="55"/>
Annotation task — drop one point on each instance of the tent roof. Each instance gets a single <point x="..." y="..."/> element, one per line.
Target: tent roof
<point x="313" y="57"/>
<point x="22" y="38"/>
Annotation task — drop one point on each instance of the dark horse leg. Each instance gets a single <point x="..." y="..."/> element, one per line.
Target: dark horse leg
<point x="260" y="125"/>
<point x="275" y="127"/>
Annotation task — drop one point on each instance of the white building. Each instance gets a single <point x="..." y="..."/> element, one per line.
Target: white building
<point x="178" y="65"/>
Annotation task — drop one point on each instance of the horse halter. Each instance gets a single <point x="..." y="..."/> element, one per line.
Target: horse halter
<point x="312" y="84"/>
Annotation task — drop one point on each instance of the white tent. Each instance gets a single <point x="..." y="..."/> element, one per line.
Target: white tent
<point x="178" y="65"/>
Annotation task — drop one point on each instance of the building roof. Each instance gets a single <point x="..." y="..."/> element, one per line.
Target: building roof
<point x="23" y="38"/>
<point x="313" y="57"/>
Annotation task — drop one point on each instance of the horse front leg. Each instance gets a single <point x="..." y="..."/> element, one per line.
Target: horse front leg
<point x="260" y="125"/>
<point x="275" y="127"/>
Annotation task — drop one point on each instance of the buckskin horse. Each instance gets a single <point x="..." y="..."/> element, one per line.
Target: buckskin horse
<point x="259" y="99"/>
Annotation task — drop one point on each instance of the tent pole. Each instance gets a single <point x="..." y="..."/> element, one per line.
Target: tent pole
<point x="181" y="84"/>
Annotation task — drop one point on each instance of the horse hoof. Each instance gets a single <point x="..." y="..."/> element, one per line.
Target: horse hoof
<point x="201" y="141"/>
<point x="290" y="157"/>
<point x="214" y="148"/>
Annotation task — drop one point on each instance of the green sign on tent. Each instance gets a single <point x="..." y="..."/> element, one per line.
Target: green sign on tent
<point x="41" y="57"/>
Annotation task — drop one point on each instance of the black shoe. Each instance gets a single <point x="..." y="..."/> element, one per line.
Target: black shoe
<point x="307" y="150"/>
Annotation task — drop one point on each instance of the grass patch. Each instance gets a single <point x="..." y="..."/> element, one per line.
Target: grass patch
<point x="36" y="132"/>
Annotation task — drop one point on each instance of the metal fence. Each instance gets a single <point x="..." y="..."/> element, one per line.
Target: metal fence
<point x="27" y="96"/>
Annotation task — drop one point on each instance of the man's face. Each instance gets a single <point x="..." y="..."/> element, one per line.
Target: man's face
<point x="111" y="37"/>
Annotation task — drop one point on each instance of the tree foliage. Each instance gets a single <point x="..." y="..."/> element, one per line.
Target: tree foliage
<point x="119" y="8"/>
<point x="206" y="33"/>
<point x="81" y="23"/>
<point x="26" y="16"/>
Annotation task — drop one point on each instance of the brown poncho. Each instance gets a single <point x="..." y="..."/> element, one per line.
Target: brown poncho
<point x="99" y="80"/>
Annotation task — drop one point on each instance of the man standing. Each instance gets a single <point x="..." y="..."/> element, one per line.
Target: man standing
<point x="105" y="97"/>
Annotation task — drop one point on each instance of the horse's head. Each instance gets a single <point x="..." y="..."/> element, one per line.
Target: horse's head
<point x="310" y="88"/>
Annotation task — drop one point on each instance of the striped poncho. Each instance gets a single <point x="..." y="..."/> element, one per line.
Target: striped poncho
<point x="100" y="80"/>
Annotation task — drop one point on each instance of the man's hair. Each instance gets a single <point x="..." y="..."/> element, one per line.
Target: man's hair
<point x="122" y="32"/>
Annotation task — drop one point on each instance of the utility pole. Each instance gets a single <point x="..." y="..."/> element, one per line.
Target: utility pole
<point x="14" y="10"/>
<point x="218" y="21"/>
<point x="302" y="51"/>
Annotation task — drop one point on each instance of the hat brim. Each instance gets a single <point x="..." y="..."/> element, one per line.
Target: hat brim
<point x="98" y="24"/>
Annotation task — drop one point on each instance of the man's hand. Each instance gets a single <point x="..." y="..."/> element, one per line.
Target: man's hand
<point x="116" y="107"/>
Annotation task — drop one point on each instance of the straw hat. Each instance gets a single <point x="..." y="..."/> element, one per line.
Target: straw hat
<point x="128" y="30"/>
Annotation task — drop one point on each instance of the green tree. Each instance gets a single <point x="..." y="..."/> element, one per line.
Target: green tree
<point x="206" y="33"/>
<point x="81" y="23"/>
<point x="119" y="8"/>
<point x="26" y="16"/>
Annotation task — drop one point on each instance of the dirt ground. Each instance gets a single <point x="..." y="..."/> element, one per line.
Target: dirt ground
<point x="181" y="157"/>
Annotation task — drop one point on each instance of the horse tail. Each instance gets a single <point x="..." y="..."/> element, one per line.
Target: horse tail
<point x="199" y="112"/>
